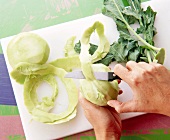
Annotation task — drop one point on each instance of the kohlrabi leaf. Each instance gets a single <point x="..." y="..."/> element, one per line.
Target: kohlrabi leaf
<point x="77" y="47"/>
<point x="135" y="6"/>
<point x="107" y="59"/>
<point x="119" y="52"/>
<point x="125" y="50"/>
<point x="147" y="28"/>
<point x="124" y="17"/>
<point x="92" y="49"/>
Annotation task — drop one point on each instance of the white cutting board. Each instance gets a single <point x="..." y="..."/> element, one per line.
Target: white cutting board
<point x="56" y="37"/>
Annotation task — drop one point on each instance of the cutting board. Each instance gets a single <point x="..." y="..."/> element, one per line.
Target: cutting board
<point x="56" y="37"/>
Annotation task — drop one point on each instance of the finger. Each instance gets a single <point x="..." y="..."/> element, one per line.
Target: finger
<point x="115" y="114"/>
<point x="160" y="72"/>
<point x="122" y="72"/>
<point x="130" y="65"/>
<point x="148" y="67"/>
<point x="124" y="107"/>
<point x="159" y="67"/>
<point x="115" y="104"/>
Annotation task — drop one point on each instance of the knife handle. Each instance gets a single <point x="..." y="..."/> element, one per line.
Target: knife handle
<point x="112" y="76"/>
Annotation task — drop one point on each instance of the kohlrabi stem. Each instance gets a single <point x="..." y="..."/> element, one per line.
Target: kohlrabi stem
<point x="149" y="57"/>
<point x="149" y="46"/>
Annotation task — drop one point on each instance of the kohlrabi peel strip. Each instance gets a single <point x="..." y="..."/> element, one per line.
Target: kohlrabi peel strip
<point x="39" y="110"/>
<point x="97" y="92"/>
<point x="67" y="63"/>
<point x="71" y="59"/>
<point x="69" y="47"/>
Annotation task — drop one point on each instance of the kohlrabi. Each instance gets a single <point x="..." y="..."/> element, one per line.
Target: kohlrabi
<point x="27" y="47"/>
<point x="97" y="92"/>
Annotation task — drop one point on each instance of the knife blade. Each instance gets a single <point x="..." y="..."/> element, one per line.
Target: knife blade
<point x="104" y="76"/>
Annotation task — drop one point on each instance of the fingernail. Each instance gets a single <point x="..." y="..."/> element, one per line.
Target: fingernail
<point x="119" y="81"/>
<point x="120" y="91"/>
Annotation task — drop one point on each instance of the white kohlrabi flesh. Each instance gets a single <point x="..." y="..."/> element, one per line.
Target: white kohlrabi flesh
<point x="27" y="47"/>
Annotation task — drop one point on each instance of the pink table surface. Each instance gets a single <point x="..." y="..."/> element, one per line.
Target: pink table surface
<point x="145" y="124"/>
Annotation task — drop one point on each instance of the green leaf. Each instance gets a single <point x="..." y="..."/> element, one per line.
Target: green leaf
<point x="107" y="59"/>
<point x="123" y="18"/>
<point x="125" y="36"/>
<point x="135" y="5"/>
<point x="119" y="51"/>
<point x="133" y="55"/>
<point x="147" y="25"/>
<point x="121" y="26"/>
<point x="77" y="47"/>
<point x="93" y="48"/>
<point x="130" y="12"/>
<point x="113" y="9"/>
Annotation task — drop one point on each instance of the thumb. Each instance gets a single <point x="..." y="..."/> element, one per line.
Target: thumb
<point x="124" y="107"/>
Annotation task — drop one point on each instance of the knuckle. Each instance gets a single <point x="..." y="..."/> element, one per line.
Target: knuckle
<point x="142" y="63"/>
<point x="151" y="69"/>
<point x="119" y="110"/>
<point x="135" y="80"/>
<point x="160" y="67"/>
<point x="144" y="73"/>
<point x="117" y="67"/>
<point x="129" y="63"/>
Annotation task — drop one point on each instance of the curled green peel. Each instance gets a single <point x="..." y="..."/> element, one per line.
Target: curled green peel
<point x="40" y="110"/>
<point x="97" y="92"/>
<point x="69" y="47"/>
<point x="67" y="63"/>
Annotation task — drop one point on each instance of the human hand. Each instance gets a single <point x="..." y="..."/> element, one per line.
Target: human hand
<point x="105" y="120"/>
<point x="150" y="84"/>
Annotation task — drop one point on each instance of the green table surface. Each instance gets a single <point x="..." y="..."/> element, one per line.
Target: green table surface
<point x="25" y="15"/>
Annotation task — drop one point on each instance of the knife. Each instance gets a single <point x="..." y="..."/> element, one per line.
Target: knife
<point x="104" y="76"/>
